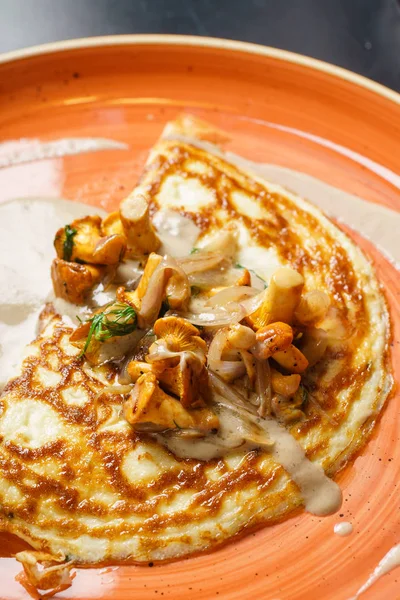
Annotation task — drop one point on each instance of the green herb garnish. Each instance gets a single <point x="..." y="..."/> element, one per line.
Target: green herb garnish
<point x="115" y="321"/>
<point x="300" y="396"/>
<point x="194" y="250"/>
<point x="164" y="308"/>
<point x="68" y="242"/>
<point x="195" y="290"/>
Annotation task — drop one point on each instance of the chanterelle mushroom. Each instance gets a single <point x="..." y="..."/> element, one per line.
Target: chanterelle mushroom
<point x="150" y="408"/>
<point x="150" y="286"/>
<point x="228" y="354"/>
<point x="179" y="334"/>
<point x="272" y="338"/>
<point x="73" y="281"/>
<point x="137" y="368"/>
<point x="134" y="225"/>
<point x="162" y="277"/>
<point x="135" y="218"/>
<point x="82" y="241"/>
<point x="111" y="224"/>
<point x="281" y="299"/>
<point x="177" y="289"/>
<point x="178" y="340"/>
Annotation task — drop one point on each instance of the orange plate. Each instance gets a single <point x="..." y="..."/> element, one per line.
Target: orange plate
<point x="278" y="107"/>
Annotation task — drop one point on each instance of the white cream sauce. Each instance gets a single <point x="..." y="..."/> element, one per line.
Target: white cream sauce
<point x="177" y="233"/>
<point x="211" y="446"/>
<point x="390" y="561"/>
<point x="71" y="313"/>
<point x="343" y="529"/>
<point x="27" y="229"/>
<point x="320" y="494"/>
<point x="16" y="152"/>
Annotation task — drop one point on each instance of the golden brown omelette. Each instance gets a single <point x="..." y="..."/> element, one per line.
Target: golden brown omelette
<point x="231" y="354"/>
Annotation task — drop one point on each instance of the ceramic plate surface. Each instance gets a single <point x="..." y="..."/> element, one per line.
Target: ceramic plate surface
<point x="278" y="107"/>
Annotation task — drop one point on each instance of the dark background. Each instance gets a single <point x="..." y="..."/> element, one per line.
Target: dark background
<point x="361" y="35"/>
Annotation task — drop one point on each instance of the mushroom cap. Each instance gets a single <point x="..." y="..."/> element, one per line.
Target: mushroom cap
<point x="148" y="403"/>
<point x="272" y="338"/>
<point x="240" y="336"/>
<point x="285" y="385"/>
<point x="180" y="335"/>
<point x="73" y="281"/>
<point x="111" y="224"/>
<point x="177" y="332"/>
<point x="137" y="368"/>
<point x="88" y="243"/>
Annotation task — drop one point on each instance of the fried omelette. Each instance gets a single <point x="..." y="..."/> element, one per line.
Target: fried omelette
<point x="79" y="479"/>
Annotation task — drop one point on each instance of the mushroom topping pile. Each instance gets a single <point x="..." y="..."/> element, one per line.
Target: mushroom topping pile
<point x="193" y="336"/>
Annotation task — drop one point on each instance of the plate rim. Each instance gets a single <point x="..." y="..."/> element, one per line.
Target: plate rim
<point x="278" y="57"/>
<point x="203" y="42"/>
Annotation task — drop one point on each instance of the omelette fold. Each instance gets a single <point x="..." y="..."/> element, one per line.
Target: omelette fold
<point x="100" y="468"/>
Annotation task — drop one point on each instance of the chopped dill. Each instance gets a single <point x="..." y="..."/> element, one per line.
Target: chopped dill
<point x="115" y="321"/>
<point x="195" y="290"/>
<point x="68" y="245"/>
<point x="164" y="308"/>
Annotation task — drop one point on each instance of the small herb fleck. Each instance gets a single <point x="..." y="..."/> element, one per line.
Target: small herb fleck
<point x="164" y="308"/>
<point x="68" y="245"/>
<point x="195" y="290"/>
<point x="194" y="250"/>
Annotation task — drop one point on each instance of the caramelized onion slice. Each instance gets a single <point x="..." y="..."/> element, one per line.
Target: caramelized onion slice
<point x="228" y="396"/>
<point x="263" y="387"/>
<point x="168" y="272"/>
<point x="216" y="318"/>
<point x="231" y="313"/>
<point x="249" y="425"/>
<point x="232" y="294"/>
<point x="226" y="369"/>
<point x="202" y="261"/>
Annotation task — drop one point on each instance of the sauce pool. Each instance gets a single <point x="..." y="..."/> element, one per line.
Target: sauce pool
<point x="27" y="229"/>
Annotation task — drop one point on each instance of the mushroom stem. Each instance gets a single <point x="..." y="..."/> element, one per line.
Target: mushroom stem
<point x="281" y="299"/>
<point x="135" y="219"/>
